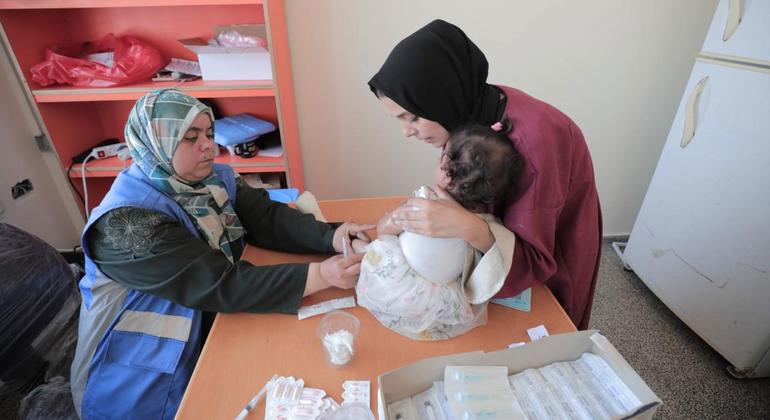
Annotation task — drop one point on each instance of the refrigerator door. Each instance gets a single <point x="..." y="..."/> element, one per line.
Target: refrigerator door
<point x="701" y="241"/>
<point x="746" y="25"/>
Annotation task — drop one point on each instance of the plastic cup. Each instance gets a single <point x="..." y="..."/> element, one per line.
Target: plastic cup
<point x="338" y="331"/>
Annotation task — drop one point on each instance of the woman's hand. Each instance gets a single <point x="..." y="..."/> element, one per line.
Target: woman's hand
<point x="337" y="271"/>
<point x="350" y="230"/>
<point x="443" y="218"/>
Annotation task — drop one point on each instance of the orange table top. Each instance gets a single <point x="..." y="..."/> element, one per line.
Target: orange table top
<point x="244" y="351"/>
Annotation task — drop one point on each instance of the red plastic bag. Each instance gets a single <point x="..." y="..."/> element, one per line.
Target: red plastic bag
<point x="132" y="61"/>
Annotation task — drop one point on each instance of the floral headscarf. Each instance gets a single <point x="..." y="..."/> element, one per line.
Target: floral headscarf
<point x="154" y="129"/>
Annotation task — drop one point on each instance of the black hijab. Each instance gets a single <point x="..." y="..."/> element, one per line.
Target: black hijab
<point x="437" y="73"/>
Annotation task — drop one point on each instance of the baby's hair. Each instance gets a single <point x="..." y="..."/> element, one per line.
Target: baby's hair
<point x="483" y="167"/>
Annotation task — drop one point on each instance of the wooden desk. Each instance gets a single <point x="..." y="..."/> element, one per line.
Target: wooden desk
<point x="244" y="350"/>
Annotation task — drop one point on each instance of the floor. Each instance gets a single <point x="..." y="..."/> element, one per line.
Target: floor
<point x="687" y="374"/>
<point x="680" y="368"/>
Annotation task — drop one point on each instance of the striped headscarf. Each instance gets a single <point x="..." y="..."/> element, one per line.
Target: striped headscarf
<point x="155" y="127"/>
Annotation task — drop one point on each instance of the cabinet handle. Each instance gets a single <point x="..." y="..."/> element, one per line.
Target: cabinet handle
<point x="733" y="19"/>
<point x="691" y="116"/>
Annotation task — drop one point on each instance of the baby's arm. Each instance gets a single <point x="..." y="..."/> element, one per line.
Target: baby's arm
<point x="386" y="226"/>
<point x="359" y="246"/>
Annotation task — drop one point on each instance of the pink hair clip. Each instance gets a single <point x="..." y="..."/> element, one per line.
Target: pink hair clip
<point x="497" y="126"/>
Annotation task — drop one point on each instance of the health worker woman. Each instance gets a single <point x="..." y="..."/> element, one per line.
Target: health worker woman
<point x="163" y="255"/>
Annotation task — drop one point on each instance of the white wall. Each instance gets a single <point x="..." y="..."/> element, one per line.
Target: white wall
<point x="617" y="68"/>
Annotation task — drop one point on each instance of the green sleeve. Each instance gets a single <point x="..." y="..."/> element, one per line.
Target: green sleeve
<point x="147" y="251"/>
<point x="276" y="226"/>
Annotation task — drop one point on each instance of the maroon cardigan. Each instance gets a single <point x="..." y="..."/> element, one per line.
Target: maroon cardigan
<point x="555" y="212"/>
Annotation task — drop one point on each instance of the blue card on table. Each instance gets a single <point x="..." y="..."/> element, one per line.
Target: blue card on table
<point x="522" y="301"/>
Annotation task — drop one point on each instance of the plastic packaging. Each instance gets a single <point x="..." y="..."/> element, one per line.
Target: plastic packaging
<point x="50" y="401"/>
<point x="91" y="64"/>
<point x="39" y="303"/>
<point x="402" y="410"/>
<point x="235" y="39"/>
<point x="480" y="392"/>
<point x="337" y="331"/>
<point x="283" y="396"/>
<point x="354" y="411"/>
<point x="328" y="405"/>
<point x="358" y="392"/>
<point x="289" y="399"/>
<point x="429" y="405"/>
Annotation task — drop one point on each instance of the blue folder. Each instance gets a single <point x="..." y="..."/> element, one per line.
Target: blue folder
<point x="286" y="195"/>
<point x="239" y="129"/>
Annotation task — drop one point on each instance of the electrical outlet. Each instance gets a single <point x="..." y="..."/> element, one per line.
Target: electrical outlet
<point x="21" y="188"/>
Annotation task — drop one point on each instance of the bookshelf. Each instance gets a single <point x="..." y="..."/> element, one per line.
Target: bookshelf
<point x="76" y="119"/>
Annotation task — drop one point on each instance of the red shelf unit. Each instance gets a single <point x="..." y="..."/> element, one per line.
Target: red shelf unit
<point x="75" y="119"/>
<point x="110" y="167"/>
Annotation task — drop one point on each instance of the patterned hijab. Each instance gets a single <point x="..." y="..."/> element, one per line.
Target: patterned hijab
<point x="154" y="129"/>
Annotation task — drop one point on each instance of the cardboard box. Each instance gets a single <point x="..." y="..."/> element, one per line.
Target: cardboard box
<point x="221" y="63"/>
<point x="417" y="377"/>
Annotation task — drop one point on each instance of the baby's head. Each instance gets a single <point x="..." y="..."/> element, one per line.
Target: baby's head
<point x="479" y="168"/>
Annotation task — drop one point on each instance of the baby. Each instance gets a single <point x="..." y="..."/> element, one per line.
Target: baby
<point x="436" y="288"/>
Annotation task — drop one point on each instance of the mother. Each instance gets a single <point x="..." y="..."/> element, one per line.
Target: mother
<point x="434" y="81"/>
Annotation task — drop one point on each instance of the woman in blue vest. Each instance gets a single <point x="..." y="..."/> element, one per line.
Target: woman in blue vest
<point x="163" y="255"/>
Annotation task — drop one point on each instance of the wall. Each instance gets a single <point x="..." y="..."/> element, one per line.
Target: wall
<point x="617" y="68"/>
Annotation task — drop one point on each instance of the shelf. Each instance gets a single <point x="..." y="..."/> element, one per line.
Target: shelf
<point x="196" y="88"/>
<point x="76" y="118"/>
<point x="77" y="4"/>
<point x="111" y="167"/>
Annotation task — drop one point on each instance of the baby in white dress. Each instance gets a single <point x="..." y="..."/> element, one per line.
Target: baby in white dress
<point x="436" y="288"/>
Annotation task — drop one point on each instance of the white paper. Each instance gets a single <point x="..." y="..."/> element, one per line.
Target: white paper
<point x="326" y="306"/>
<point x="274" y="151"/>
<point x="536" y="333"/>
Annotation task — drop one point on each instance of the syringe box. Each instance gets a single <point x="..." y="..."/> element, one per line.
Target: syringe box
<point x="419" y="376"/>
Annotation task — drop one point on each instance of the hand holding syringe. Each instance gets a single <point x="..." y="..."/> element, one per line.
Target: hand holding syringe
<point x="351" y="238"/>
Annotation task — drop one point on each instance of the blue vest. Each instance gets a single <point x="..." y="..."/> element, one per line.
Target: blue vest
<point x="135" y="352"/>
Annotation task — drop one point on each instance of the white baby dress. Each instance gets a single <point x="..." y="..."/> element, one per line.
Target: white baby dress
<point x="433" y="288"/>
